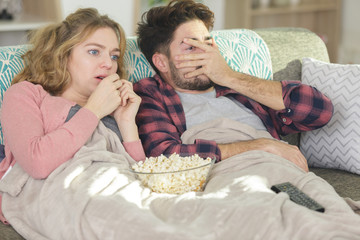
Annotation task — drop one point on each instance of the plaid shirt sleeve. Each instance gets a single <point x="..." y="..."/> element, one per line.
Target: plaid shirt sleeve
<point x="161" y="121"/>
<point x="306" y="108"/>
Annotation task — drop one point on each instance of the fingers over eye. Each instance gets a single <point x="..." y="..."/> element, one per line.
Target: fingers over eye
<point x="193" y="63"/>
<point x="204" y="45"/>
<point x="191" y="57"/>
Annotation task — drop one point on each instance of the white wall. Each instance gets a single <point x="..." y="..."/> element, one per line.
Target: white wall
<point x="349" y="50"/>
<point x="218" y="7"/>
<point x="121" y="11"/>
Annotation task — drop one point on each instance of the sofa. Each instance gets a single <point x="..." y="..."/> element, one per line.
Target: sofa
<point x="280" y="52"/>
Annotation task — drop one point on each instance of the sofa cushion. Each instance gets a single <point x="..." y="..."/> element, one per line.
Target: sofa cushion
<point x="336" y="145"/>
<point x="288" y="46"/>
<point x="345" y="184"/>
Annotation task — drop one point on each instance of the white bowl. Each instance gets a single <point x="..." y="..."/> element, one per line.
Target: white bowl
<point x="174" y="174"/>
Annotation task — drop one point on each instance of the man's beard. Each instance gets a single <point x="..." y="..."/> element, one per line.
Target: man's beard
<point x="198" y="84"/>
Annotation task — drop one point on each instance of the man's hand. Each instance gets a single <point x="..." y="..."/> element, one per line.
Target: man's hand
<point x="208" y="62"/>
<point x="211" y="63"/>
<point x="287" y="151"/>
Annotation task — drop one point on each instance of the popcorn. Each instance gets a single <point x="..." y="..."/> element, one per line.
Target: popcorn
<point x="173" y="174"/>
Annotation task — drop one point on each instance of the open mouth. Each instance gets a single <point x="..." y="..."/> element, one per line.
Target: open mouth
<point x="101" y="78"/>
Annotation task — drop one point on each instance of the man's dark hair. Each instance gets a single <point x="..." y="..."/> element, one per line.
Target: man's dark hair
<point x="157" y="26"/>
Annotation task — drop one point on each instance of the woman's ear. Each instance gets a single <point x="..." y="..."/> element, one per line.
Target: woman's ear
<point x="161" y="62"/>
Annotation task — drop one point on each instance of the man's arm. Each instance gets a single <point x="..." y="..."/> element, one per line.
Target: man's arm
<point x="267" y="93"/>
<point x="312" y="110"/>
<point x="292" y="106"/>
<point x="306" y="109"/>
<point x="287" y="151"/>
<point x="213" y="65"/>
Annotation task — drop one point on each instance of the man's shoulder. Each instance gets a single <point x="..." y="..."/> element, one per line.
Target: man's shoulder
<point x="146" y="83"/>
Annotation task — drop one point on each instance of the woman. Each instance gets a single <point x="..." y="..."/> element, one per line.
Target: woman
<point x="73" y="78"/>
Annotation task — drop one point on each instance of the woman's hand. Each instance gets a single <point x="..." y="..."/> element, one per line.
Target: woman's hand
<point x="106" y="97"/>
<point x="116" y="96"/>
<point x="129" y="104"/>
<point x="126" y="112"/>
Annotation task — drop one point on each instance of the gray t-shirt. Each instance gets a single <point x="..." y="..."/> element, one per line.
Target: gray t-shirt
<point x="200" y="108"/>
<point x="108" y="120"/>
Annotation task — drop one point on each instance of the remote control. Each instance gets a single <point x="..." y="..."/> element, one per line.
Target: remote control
<point x="297" y="196"/>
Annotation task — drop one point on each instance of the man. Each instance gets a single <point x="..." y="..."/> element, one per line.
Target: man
<point x="190" y="69"/>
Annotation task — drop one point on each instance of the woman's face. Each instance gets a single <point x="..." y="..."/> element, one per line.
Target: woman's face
<point x="92" y="60"/>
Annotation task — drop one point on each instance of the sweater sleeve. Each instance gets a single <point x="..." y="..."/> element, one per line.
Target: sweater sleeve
<point x="135" y="150"/>
<point x="40" y="141"/>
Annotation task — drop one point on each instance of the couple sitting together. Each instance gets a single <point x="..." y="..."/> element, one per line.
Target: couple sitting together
<point x="74" y="77"/>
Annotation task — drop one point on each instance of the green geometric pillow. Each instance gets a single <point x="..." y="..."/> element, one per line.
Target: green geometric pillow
<point x="245" y="51"/>
<point x="136" y="65"/>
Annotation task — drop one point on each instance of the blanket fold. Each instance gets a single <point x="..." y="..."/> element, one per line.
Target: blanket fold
<point x="95" y="196"/>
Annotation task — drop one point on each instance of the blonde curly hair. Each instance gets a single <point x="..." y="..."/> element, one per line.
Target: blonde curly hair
<point x="46" y="60"/>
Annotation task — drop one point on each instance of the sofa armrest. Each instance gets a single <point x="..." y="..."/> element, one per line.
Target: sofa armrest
<point x="288" y="46"/>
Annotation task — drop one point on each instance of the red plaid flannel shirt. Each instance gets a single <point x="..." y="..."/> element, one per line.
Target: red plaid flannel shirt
<point x="161" y="118"/>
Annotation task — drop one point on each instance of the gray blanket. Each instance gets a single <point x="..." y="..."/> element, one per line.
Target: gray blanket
<point x="94" y="196"/>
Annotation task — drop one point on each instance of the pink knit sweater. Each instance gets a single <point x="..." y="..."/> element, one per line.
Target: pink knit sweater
<point x="36" y="135"/>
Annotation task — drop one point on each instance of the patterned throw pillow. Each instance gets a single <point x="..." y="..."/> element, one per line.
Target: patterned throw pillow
<point x="137" y="67"/>
<point x="245" y="51"/>
<point x="336" y="145"/>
